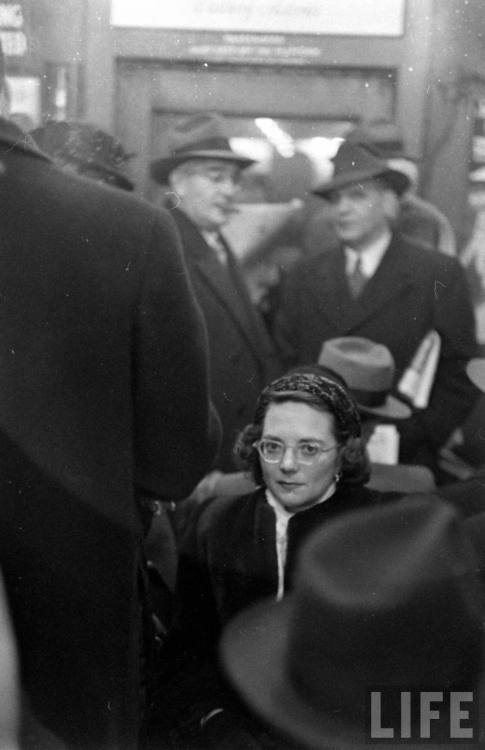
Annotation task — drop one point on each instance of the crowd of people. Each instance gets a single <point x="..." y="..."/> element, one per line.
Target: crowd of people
<point x="219" y="532"/>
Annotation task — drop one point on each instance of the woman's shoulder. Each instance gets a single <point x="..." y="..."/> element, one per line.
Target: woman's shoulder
<point x="225" y="507"/>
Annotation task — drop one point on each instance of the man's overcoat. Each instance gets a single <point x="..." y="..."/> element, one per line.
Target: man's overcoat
<point x="411" y="293"/>
<point x="242" y="357"/>
<point x="103" y="394"/>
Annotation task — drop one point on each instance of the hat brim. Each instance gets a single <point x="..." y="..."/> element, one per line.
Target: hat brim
<point x="110" y="176"/>
<point x="253" y="649"/>
<point x="397" y="181"/>
<point x="391" y="409"/>
<point x="160" y="168"/>
<point x="475" y="370"/>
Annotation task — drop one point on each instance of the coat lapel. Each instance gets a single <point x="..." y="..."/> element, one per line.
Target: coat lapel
<point x="227" y="285"/>
<point x="393" y="275"/>
<point x="12" y="136"/>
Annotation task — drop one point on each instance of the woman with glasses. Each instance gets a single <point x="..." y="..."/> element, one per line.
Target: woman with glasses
<point x="304" y="452"/>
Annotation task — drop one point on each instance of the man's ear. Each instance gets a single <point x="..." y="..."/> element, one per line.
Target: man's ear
<point x="175" y="182"/>
<point x="391" y="204"/>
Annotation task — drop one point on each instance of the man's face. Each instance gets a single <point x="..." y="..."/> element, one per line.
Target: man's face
<point x="206" y="189"/>
<point x="362" y="212"/>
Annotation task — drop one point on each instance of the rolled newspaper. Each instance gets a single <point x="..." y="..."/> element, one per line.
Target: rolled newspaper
<point x="417" y="381"/>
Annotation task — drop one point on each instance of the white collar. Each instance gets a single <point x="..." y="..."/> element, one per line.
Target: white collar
<point x="282" y="512"/>
<point x="370" y="256"/>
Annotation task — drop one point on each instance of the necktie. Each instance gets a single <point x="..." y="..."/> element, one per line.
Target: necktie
<point x="215" y="242"/>
<point x="357" y="279"/>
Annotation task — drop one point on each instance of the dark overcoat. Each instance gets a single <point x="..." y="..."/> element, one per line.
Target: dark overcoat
<point x="242" y="357"/>
<point x="103" y="393"/>
<point x="411" y="293"/>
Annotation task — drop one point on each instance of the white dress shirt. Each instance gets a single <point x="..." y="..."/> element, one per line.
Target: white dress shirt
<point x="370" y="256"/>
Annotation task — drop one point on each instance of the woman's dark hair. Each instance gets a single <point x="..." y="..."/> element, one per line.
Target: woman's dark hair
<point x="311" y="386"/>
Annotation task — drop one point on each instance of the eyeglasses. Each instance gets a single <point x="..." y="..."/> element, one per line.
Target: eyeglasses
<point x="307" y="452"/>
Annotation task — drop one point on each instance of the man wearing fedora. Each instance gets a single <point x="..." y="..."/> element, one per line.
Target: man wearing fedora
<point x="202" y="173"/>
<point x="379" y="285"/>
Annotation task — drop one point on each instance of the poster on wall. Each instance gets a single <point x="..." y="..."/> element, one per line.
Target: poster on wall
<point x="338" y="17"/>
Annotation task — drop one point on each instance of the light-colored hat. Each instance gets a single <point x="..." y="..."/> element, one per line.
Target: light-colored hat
<point x="368" y="369"/>
<point x="200" y="136"/>
<point x="475" y="370"/>
<point x="355" y="163"/>
<point x="388" y="599"/>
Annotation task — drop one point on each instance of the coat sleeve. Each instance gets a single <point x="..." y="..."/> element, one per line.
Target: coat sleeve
<point x="453" y="395"/>
<point x="176" y="428"/>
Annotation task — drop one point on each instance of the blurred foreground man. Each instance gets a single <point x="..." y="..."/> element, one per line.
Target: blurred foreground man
<point x="379" y="285"/>
<point x="202" y="172"/>
<point x="103" y="406"/>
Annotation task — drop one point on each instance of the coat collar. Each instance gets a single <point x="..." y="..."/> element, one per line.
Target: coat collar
<point x="12" y="136"/>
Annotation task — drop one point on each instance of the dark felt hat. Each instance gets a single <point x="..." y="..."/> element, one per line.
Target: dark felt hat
<point x="87" y="147"/>
<point x="200" y="136"/>
<point x="355" y="163"/>
<point x="368" y="369"/>
<point x="385" y="598"/>
<point x="383" y="139"/>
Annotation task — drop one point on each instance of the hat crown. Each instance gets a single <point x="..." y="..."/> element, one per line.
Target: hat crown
<point x="81" y="141"/>
<point x="353" y="157"/>
<point x="394" y="600"/>
<point x="199" y="131"/>
<point x="199" y="136"/>
<point x="355" y="163"/>
<point x="363" y="364"/>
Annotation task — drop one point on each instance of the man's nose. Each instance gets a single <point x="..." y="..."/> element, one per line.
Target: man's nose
<point x="342" y="204"/>
<point x="228" y="187"/>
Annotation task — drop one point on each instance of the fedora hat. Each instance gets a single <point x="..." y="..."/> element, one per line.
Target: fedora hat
<point x="353" y="163"/>
<point x="382" y="138"/>
<point x="368" y="369"/>
<point x="200" y="136"/>
<point x="87" y="147"/>
<point x="388" y="598"/>
<point x="475" y="370"/>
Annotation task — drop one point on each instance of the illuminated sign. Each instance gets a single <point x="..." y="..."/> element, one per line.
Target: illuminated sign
<point x="336" y="17"/>
<point x="12" y="34"/>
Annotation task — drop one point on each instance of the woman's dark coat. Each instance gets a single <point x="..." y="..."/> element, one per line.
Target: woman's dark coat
<point x="103" y="394"/>
<point x="228" y="562"/>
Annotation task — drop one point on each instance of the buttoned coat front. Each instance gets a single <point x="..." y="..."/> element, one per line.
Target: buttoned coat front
<point x="103" y="395"/>
<point x="242" y="357"/>
<point x="411" y="293"/>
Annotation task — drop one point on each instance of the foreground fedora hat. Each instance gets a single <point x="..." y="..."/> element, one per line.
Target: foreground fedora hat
<point x="200" y="136"/>
<point x="368" y="370"/>
<point x="384" y="598"/>
<point x="355" y="163"/>
<point x="475" y="370"/>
